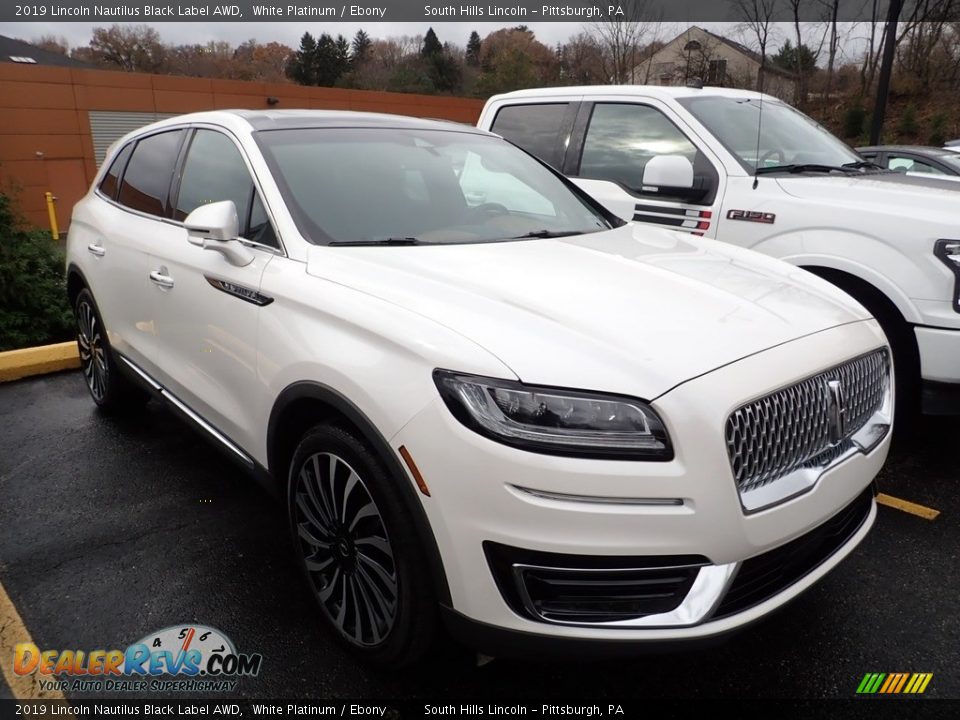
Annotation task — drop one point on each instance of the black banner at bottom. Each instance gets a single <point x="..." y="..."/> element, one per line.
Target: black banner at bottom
<point x="872" y="708"/>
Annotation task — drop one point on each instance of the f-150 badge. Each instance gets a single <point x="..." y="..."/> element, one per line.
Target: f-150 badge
<point x="752" y="216"/>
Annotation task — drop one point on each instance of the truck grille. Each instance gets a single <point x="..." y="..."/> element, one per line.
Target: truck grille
<point x="808" y="424"/>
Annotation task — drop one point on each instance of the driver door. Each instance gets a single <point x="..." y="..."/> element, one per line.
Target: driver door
<point x="610" y="147"/>
<point x="208" y="319"/>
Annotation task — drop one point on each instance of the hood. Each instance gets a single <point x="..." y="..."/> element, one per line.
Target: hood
<point x="910" y="193"/>
<point x="633" y="310"/>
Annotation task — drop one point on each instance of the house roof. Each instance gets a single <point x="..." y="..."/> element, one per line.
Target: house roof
<point x="743" y="50"/>
<point x="18" y="51"/>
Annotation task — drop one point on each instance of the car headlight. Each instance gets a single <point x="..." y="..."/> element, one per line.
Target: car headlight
<point x="949" y="253"/>
<point x="555" y="421"/>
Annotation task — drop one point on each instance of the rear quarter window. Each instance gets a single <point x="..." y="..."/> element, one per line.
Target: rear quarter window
<point x="146" y="181"/>
<point x="111" y="181"/>
<point x="535" y="128"/>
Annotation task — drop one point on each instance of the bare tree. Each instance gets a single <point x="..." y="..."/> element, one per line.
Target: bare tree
<point x="53" y="43"/>
<point x="621" y="41"/>
<point x="581" y="60"/>
<point x="135" y="48"/>
<point x="832" y="37"/>
<point x="756" y="20"/>
<point x="922" y="34"/>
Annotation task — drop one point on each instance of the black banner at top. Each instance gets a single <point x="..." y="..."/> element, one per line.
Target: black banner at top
<point x="440" y="709"/>
<point x="439" y="11"/>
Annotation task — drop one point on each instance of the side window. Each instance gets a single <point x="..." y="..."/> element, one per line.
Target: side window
<point x="111" y="181"/>
<point x="146" y="181"/>
<point x="214" y="171"/>
<point x="905" y="164"/>
<point x="622" y="138"/>
<point x="535" y="128"/>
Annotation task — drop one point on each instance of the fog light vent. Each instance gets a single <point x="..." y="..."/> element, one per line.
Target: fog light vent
<point x="589" y="590"/>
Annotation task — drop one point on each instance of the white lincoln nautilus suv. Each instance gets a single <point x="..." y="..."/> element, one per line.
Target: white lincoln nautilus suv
<point x="488" y="403"/>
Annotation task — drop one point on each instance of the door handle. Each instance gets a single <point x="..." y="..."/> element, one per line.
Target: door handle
<point x="96" y="250"/>
<point x="161" y="279"/>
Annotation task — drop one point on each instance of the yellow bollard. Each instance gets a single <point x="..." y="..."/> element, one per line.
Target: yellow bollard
<point x="52" y="212"/>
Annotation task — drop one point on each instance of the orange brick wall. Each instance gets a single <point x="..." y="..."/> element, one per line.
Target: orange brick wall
<point x="44" y="110"/>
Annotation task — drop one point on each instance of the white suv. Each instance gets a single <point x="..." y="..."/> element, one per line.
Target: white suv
<point x="520" y="414"/>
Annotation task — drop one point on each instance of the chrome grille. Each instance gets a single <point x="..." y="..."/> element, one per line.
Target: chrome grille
<point x="798" y="426"/>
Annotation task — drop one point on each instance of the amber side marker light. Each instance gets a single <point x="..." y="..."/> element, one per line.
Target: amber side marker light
<point x="414" y="470"/>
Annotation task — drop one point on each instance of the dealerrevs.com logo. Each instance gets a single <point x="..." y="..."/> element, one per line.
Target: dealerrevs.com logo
<point x="181" y="658"/>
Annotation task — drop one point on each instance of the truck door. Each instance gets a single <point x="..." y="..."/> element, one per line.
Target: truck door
<point x="610" y="146"/>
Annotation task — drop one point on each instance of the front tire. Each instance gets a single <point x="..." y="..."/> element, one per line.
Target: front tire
<point x="357" y="550"/>
<point x="110" y="390"/>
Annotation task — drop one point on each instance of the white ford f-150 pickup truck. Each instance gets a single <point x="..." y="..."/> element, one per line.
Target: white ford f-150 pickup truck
<point x="748" y="169"/>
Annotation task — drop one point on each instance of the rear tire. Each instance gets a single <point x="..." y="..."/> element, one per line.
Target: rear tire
<point x="357" y="548"/>
<point x="109" y="388"/>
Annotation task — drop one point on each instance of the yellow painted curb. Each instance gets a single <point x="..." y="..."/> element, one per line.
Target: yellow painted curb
<point x="908" y="507"/>
<point x="16" y="364"/>
<point x="13" y="632"/>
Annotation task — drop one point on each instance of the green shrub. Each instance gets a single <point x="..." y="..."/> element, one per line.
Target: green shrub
<point x="854" y="120"/>
<point x="908" y="122"/>
<point x="33" y="293"/>
<point x="938" y="129"/>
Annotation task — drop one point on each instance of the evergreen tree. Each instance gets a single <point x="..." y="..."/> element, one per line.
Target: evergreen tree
<point x="473" y="49"/>
<point x="332" y="59"/>
<point x="360" y="46"/>
<point x="302" y="67"/>
<point x="431" y="44"/>
<point x="796" y="60"/>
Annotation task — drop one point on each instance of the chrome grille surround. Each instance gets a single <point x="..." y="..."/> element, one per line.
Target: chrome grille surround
<point x="780" y="444"/>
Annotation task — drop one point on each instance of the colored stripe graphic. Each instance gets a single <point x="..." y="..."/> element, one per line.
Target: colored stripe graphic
<point x="894" y="683"/>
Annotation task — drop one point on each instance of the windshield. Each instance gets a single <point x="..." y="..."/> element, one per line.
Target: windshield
<point x="403" y="186"/>
<point x="787" y="136"/>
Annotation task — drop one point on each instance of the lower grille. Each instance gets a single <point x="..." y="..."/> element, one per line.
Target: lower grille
<point x="766" y="575"/>
<point x="577" y="589"/>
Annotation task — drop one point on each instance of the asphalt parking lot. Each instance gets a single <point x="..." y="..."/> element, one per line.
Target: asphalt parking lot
<point x="112" y="529"/>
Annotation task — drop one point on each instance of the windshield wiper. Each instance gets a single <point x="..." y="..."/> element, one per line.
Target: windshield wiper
<point x="864" y="165"/>
<point x="547" y="234"/>
<point x="805" y="167"/>
<point x="382" y="241"/>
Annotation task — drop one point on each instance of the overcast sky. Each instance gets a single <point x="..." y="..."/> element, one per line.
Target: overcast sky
<point x="78" y="33"/>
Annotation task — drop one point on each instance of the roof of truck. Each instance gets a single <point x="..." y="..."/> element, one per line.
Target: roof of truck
<point x="655" y="91"/>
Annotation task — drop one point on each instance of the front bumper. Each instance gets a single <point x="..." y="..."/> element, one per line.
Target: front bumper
<point x="939" y="370"/>
<point x="480" y="493"/>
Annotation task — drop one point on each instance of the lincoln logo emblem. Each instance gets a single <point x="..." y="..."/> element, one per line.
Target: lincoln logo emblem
<point x="837" y="418"/>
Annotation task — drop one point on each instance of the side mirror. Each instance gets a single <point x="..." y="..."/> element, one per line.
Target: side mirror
<point x="215" y="227"/>
<point x="666" y="174"/>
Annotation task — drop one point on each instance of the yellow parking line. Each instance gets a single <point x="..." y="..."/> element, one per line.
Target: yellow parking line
<point x="13" y="632"/>
<point x="908" y="507"/>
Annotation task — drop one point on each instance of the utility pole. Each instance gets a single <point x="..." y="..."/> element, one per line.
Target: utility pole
<point x="886" y="67"/>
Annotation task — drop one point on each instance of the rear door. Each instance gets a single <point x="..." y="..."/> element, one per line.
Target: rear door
<point x="208" y="318"/>
<point x="541" y="128"/>
<point x="133" y="222"/>
<point x="609" y="147"/>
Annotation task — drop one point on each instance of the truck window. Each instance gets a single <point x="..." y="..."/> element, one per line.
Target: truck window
<point x="622" y="138"/>
<point x="535" y="128"/>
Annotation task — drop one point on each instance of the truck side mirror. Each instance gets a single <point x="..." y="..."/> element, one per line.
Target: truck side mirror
<point x="666" y="174"/>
